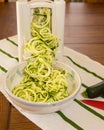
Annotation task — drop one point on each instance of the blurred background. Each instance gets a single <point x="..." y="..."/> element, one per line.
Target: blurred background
<point x="89" y="1"/>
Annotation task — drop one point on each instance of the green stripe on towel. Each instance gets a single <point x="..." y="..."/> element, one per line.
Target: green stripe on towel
<point x="8" y="39"/>
<point x="93" y="73"/>
<point x="3" y="69"/>
<point x="69" y="121"/>
<point x="84" y="85"/>
<point x="9" y="55"/>
<point x="89" y="109"/>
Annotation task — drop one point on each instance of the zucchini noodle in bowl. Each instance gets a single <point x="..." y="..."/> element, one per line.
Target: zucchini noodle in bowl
<point x="39" y="92"/>
<point x="41" y="84"/>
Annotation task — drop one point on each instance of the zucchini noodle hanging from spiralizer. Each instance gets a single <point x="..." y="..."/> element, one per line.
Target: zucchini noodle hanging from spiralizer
<point x="42" y="82"/>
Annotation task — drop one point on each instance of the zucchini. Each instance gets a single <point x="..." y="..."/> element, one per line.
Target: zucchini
<point x="95" y="90"/>
<point x="102" y="95"/>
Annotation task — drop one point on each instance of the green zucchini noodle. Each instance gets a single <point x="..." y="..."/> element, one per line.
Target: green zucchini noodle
<point x="38" y="69"/>
<point x="42" y="88"/>
<point x="41" y="18"/>
<point x="45" y="33"/>
<point x="37" y="47"/>
<point x="42" y="81"/>
<point x="43" y="40"/>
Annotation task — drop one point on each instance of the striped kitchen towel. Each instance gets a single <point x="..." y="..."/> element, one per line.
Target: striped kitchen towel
<point x="76" y="116"/>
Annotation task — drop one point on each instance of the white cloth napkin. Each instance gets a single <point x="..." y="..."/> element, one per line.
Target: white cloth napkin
<point x="74" y="112"/>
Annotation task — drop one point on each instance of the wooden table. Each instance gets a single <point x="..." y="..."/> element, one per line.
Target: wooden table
<point x="84" y="32"/>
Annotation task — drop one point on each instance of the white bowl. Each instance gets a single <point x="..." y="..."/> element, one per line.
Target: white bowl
<point x="13" y="78"/>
